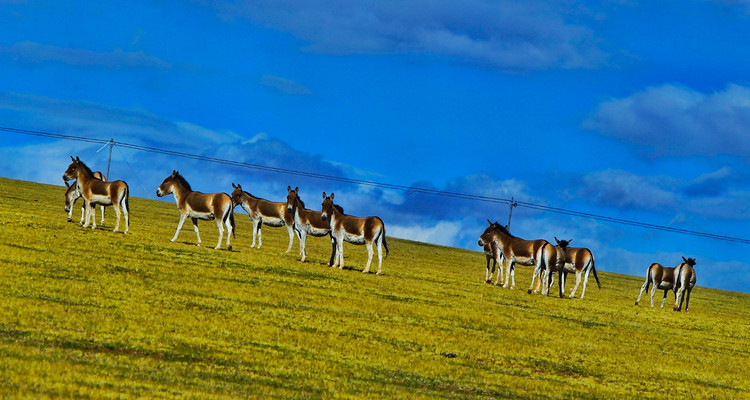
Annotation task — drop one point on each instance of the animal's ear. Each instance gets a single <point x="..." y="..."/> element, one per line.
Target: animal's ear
<point x="488" y="221"/>
<point x="239" y="186"/>
<point x="556" y="239"/>
<point x="684" y="259"/>
<point x="288" y="189"/>
<point x="324" y="195"/>
<point x="296" y="189"/>
<point x="234" y="186"/>
<point x="72" y="159"/>
<point x="78" y="159"/>
<point x="569" y="241"/>
<point x="331" y="195"/>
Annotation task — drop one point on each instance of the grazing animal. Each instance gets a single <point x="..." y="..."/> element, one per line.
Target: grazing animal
<point x="684" y="281"/>
<point x="98" y="192"/>
<point x="514" y="250"/>
<point x="197" y="205"/>
<point x="308" y="222"/>
<point x="579" y="260"/>
<point x="355" y="230"/>
<point x="72" y="194"/>
<point x="664" y="278"/>
<point x="264" y="212"/>
<point x="492" y="253"/>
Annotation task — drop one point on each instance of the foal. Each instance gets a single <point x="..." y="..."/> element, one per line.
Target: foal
<point x="72" y="194"/>
<point x="355" y="230"/>
<point x="263" y="212"/>
<point x="96" y="191"/>
<point x="197" y="205"/>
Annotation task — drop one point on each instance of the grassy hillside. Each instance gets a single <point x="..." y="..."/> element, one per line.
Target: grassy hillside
<point x="92" y="313"/>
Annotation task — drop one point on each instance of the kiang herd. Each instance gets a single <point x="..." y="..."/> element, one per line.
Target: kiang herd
<point x="500" y="246"/>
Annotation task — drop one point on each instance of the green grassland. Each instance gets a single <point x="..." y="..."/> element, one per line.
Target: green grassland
<point x="95" y="314"/>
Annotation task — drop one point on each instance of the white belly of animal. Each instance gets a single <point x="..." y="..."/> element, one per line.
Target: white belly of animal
<point x="355" y="239"/>
<point x="203" y="216"/>
<point x="271" y="221"/>
<point x="524" y="260"/>
<point x="316" y="232"/>
<point x="101" y="200"/>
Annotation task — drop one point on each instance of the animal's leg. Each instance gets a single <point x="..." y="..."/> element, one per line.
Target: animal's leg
<point x="578" y="282"/>
<point x="369" y="257"/>
<point x="83" y="212"/>
<point x="260" y="233"/>
<point x="291" y="238"/>
<point x="499" y="276"/>
<point x="513" y="276"/>
<point x="644" y="288"/>
<point x="380" y="257"/>
<point x="487" y="275"/>
<point x="255" y="232"/>
<point x="102" y="210"/>
<point x="302" y="240"/>
<point x="195" y="228"/>
<point x="125" y="211"/>
<point x="537" y="273"/>
<point x="332" y="260"/>
<point x="664" y="299"/>
<point x="687" y="300"/>
<point x="230" y="229"/>
<point x="221" y="232"/>
<point x="86" y="212"/>
<point x="117" y="214"/>
<point x="679" y="298"/>
<point x="585" y="281"/>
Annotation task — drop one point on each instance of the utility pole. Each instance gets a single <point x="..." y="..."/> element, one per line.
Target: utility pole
<point x="510" y="213"/>
<point x="109" y="159"/>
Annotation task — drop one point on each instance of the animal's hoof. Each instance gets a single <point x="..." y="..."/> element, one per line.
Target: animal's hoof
<point x="229" y="248"/>
<point x="636" y="303"/>
<point x="529" y="291"/>
<point x="70" y="220"/>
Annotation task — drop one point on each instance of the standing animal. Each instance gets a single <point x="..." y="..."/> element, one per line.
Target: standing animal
<point x="308" y="222"/>
<point x="664" y="278"/>
<point x="264" y="212"/>
<point x="514" y="250"/>
<point x="579" y="260"/>
<point x="73" y="193"/>
<point x="684" y="281"/>
<point x="355" y="230"/>
<point x="492" y="253"/>
<point x="98" y="192"/>
<point x="551" y="259"/>
<point x="197" y="205"/>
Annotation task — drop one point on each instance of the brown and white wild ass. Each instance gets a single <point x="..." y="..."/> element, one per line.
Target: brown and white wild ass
<point x="197" y="205"/>
<point x="98" y="192"/>
<point x="684" y="282"/>
<point x="264" y="212"/>
<point x="514" y="250"/>
<point x="308" y="222"/>
<point x="578" y="260"/>
<point x="355" y="230"/>
<point x="73" y="193"/>
<point x="665" y="278"/>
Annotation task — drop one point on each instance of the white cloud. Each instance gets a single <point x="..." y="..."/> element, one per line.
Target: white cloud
<point x="442" y="232"/>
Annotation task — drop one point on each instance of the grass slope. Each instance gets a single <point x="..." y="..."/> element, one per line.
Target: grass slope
<point x="91" y="313"/>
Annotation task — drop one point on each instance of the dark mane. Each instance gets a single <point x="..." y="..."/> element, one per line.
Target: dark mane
<point x="502" y="229"/>
<point x="250" y="194"/>
<point x="182" y="181"/>
<point x="85" y="167"/>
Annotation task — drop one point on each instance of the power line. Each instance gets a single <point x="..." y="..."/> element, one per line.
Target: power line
<point x="407" y="189"/>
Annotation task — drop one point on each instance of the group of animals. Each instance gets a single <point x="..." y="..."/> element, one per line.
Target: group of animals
<point x="500" y="246"/>
<point x="498" y="243"/>
<point x="331" y="221"/>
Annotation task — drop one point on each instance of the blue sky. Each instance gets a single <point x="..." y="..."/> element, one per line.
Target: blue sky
<point x="633" y="110"/>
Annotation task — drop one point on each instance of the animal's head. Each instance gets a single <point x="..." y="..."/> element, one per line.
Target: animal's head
<point x="236" y="194"/>
<point x="72" y="170"/>
<point x="328" y="207"/>
<point x="689" y="261"/>
<point x="292" y="197"/>
<point x="167" y="186"/>
<point x="71" y="195"/>
<point x="488" y="233"/>
<point x="563" y="243"/>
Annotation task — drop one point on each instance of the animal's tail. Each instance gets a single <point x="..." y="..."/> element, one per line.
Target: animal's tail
<point x="593" y="269"/>
<point x="385" y="243"/>
<point x="231" y="223"/>
<point x="648" y="277"/>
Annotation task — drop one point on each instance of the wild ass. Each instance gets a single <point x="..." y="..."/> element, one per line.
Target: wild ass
<point x="579" y="260"/>
<point x="355" y="230"/>
<point x="73" y="193"/>
<point x="308" y="222"/>
<point x="98" y="192"/>
<point x="514" y="250"/>
<point x="197" y="205"/>
<point x="665" y="278"/>
<point x="684" y="282"/>
<point x="263" y="212"/>
<point x="492" y="253"/>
